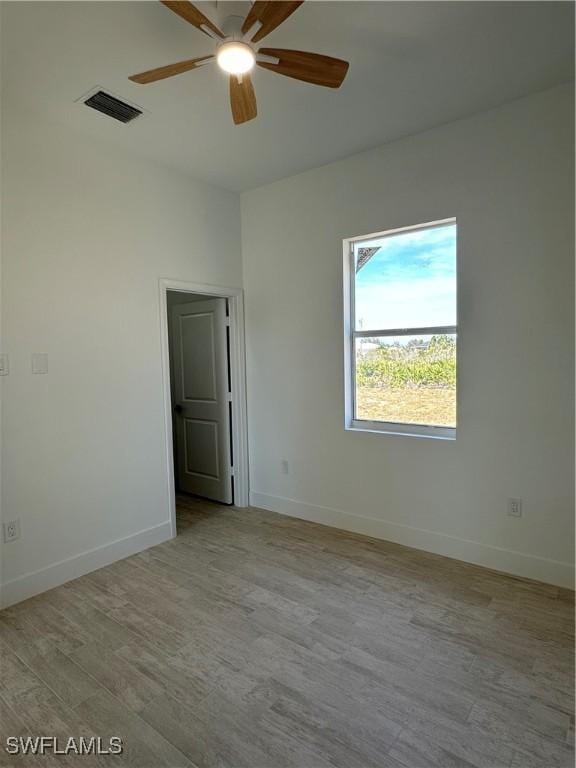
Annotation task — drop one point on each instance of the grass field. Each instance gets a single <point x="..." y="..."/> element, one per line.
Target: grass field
<point x="418" y="405"/>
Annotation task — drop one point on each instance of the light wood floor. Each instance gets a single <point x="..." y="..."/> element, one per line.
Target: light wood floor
<point x="258" y="641"/>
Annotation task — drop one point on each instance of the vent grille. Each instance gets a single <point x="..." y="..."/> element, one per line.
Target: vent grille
<point x="113" y="107"/>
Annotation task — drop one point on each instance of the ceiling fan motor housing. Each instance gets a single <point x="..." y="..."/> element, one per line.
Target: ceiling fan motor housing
<point x="232" y="27"/>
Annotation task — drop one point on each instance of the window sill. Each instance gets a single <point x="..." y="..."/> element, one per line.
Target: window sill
<point x="405" y="430"/>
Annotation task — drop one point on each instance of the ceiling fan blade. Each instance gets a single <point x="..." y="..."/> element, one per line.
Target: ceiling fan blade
<point x="270" y="15"/>
<point x="242" y="99"/>
<point x="309" y="67"/>
<point x="151" y="75"/>
<point x="191" y="14"/>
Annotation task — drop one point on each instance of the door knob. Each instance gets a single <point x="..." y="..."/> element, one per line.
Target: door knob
<point x="178" y="408"/>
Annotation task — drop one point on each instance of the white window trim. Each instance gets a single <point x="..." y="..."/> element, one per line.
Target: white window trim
<point x="383" y="427"/>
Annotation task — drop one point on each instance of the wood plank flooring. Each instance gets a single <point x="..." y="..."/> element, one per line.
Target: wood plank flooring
<point x="254" y="640"/>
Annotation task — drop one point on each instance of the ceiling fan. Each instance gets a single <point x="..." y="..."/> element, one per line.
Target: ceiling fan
<point x="237" y="52"/>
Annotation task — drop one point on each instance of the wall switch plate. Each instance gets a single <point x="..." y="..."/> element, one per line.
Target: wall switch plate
<point x="11" y="530"/>
<point x="515" y="507"/>
<point x="4" y="367"/>
<point x="39" y="362"/>
<point x="285" y="467"/>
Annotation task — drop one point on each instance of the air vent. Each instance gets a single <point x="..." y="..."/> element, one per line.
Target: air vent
<point x="113" y="107"/>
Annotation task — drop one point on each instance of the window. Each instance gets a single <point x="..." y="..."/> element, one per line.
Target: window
<point x="401" y="330"/>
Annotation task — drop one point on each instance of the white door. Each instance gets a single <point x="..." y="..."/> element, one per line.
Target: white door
<point x="200" y="399"/>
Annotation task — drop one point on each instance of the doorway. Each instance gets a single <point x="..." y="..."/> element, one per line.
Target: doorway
<point x="204" y="393"/>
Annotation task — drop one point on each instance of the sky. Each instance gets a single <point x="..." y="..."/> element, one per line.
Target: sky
<point x="410" y="282"/>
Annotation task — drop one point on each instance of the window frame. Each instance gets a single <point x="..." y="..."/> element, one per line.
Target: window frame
<point x="351" y="334"/>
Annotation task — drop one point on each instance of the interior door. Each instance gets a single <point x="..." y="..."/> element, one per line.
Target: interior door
<point x="200" y="399"/>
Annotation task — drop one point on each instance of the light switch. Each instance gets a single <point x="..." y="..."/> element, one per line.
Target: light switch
<point x="4" y="367"/>
<point x="39" y="362"/>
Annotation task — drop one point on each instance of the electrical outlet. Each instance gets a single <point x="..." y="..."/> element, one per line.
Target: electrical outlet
<point x="11" y="530"/>
<point x="39" y="362"/>
<point x="285" y="467"/>
<point x="515" y="507"/>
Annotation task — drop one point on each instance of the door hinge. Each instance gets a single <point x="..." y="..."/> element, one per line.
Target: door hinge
<point x="229" y="397"/>
<point x="231" y="471"/>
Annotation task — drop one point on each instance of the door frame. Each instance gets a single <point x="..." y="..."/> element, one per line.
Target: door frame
<point x="235" y="298"/>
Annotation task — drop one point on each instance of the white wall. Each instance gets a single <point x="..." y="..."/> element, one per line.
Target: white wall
<point x="87" y="233"/>
<point x="1" y="335"/>
<point x="507" y="177"/>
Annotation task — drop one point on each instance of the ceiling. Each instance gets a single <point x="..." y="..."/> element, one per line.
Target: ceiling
<point x="413" y="65"/>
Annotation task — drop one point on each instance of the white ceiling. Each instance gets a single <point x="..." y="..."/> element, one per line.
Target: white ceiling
<point x="413" y="65"/>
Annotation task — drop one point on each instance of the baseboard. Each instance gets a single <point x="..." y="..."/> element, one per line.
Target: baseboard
<point x="496" y="558"/>
<point x="54" y="575"/>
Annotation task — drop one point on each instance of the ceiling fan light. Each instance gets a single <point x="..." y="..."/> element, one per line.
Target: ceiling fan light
<point x="235" y="58"/>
